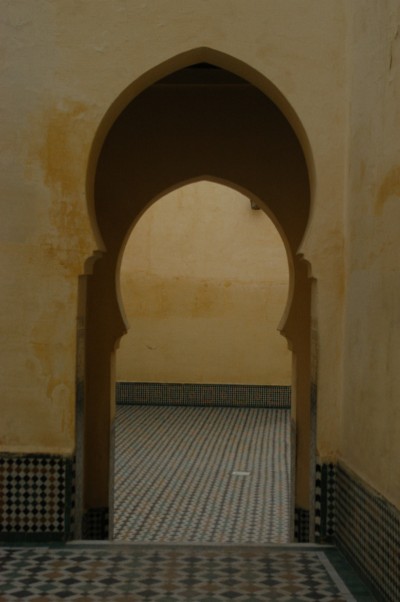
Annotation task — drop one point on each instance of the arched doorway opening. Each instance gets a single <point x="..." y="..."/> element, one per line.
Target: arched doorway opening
<point x="204" y="282"/>
<point x="199" y="122"/>
<point x="205" y="391"/>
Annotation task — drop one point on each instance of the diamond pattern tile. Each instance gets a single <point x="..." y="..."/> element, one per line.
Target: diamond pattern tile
<point x="168" y="574"/>
<point x="33" y="494"/>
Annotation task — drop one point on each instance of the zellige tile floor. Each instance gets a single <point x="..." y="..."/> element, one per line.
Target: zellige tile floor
<point x="129" y="573"/>
<point x="202" y="475"/>
<point x="215" y="477"/>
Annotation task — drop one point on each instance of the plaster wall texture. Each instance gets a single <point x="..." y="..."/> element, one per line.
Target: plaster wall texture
<point x="370" y="442"/>
<point x="204" y="282"/>
<point x="68" y="70"/>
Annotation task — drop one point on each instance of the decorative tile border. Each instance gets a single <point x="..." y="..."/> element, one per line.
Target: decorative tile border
<point x="255" y="396"/>
<point x="364" y="525"/>
<point x="71" y="501"/>
<point x="325" y="502"/>
<point x="312" y="466"/>
<point x="301" y="525"/>
<point x="318" y="501"/>
<point x="368" y="532"/>
<point x="35" y="497"/>
<point x="95" y="524"/>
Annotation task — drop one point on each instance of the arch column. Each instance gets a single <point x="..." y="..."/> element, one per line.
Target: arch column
<point x="103" y="328"/>
<point x="298" y="332"/>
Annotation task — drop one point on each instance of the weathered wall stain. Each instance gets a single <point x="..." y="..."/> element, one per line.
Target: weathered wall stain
<point x="60" y="150"/>
<point x="390" y="187"/>
<point x="60" y="158"/>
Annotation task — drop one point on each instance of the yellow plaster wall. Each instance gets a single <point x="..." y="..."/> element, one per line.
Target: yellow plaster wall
<point x="370" y="443"/>
<point x="64" y="64"/>
<point x="204" y="282"/>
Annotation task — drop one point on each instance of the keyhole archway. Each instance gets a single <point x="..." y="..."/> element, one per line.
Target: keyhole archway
<point x="204" y="283"/>
<point x="199" y="120"/>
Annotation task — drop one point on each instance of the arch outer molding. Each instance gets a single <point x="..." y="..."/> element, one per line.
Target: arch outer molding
<point x="183" y="60"/>
<point x="153" y="139"/>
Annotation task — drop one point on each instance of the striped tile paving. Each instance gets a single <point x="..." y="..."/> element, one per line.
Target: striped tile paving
<point x="202" y="475"/>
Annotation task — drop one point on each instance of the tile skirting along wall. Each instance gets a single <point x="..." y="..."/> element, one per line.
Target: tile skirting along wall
<point x="364" y="525"/>
<point x="368" y="531"/>
<point x="256" y="396"/>
<point x="325" y="507"/>
<point x="35" y="497"/>
<point x="325" y="502"/>
<point x="95" y="524"/>
<point x="301" y="525"/>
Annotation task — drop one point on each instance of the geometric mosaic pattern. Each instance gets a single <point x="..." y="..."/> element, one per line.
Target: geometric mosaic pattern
<point x="368" y="530"/>
<point x="301" y="525"/>
<point x="33" y="496"/>
<point x="95" y="524"/>
<point x="202" y="475"/>
<point x="262" y="396"/>
<point x="325" y="501"/>
<point x="168" y="574"/>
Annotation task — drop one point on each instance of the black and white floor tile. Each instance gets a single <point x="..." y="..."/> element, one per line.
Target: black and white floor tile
<point x="202" y="475"/>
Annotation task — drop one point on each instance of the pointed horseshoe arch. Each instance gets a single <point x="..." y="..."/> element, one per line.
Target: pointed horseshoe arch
<point x="200" y="115"/>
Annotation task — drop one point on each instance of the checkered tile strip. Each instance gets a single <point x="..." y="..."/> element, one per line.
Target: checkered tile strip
<point x="368" y="530"/>
<point x="325" y="501"/>
<point x="301" y="525"/>
<point x="33" y="494"/>
<point x="95" y="524"/>
<point x="268" y="396"/>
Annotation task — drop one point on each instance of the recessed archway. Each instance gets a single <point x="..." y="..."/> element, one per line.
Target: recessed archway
<point x="202" y="121"/>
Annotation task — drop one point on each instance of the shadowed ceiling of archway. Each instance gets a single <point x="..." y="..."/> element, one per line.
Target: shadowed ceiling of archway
<point x="199" y="122"/>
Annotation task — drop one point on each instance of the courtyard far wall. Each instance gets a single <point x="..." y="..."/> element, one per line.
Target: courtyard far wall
<point x="204" y="282"/>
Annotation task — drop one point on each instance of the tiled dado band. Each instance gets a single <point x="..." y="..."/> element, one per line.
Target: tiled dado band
<point x="301" y="525"/>
<point x="325" y="502"/>
<point x="180" y="394"/>
<point x="368" y="531"/>
<point x="95" y="524"/>
<point x="325" y="507"/>
<point x="364" y="525"/>
<point x="35" y="497"/>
